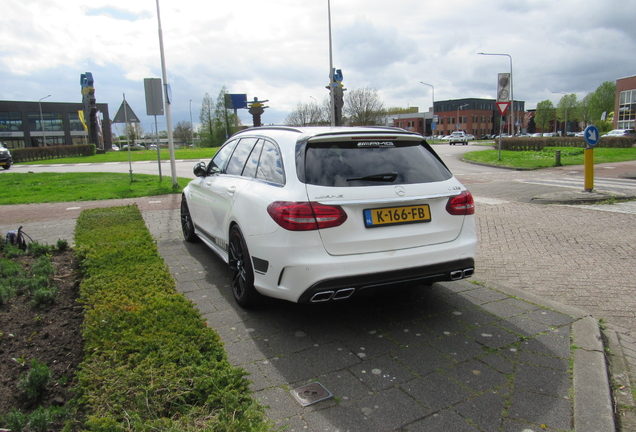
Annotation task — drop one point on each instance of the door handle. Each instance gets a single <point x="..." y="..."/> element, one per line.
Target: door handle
<point x="231" y="190"/>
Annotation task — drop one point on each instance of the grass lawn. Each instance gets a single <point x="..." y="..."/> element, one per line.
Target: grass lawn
<point x="547" y="157"/>
<point x="138" y="155"/>
<point x="35" y="188"/>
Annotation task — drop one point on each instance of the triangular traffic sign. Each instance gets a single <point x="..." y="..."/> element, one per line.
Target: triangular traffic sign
<point x="502" y="107"/>
<point x="129" y="115"/>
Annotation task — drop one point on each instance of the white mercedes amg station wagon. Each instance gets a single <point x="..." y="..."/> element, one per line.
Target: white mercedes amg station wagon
<point x="317" y="214"/>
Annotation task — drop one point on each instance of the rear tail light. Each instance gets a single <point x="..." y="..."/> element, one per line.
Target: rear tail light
<point x="306" y="216"/>
<point x="461" y="205"/>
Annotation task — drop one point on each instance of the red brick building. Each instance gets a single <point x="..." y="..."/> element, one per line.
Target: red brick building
<point x="475" y="116"/>
<point x="625" y="105"/>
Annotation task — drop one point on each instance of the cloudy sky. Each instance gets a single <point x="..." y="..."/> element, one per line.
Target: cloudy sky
<point x="279" y="49"/>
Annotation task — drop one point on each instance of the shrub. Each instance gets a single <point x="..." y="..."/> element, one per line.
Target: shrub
<point x="40" y="420"/>
<point x="36" y="380"/>
<point x="151" y="361"/>
<point x="43" y="296"/>
<point x="12" y="251"/>
<point x="9" y="268"/>
<point x="538" y="144"/>
<point x="42" y="267"/>
<point x="15" y="421"/>
<point x="62" y="245"/>
<point x="36" y="249"/>
<point x="55" y="152"/>
<point x="7" y="292"/>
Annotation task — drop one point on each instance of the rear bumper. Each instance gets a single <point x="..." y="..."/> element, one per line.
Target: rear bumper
<point x="345" y="287"/>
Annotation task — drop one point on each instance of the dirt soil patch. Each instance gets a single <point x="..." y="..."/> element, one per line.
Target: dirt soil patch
<point x="50" y="335"/>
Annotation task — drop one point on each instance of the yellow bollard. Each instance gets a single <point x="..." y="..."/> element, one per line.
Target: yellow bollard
<point x="589" y="169"/>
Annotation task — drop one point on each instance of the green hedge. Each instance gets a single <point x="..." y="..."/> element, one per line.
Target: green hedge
<point x="151" y="363"/>
<point x="538" y="144"/>
<point x="28" y="154"/>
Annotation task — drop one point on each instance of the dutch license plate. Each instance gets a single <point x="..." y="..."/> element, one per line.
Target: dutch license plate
<point x="396" y="215"/>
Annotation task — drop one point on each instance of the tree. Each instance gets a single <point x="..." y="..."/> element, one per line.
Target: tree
<point x="133" y="132"/>
<point x="206" y="117"/>
<point x="544" y="114"/>
<point x="602" y="100"/>
<point x="217" y="121"/>
<point x="584" y="110"/>
<point x="364" y="107"/>
<point x="566" y="109"/>
<point x="182" y="132"/>
<point x="305" y="114"/>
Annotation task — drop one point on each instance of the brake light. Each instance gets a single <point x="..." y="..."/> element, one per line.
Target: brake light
<point x="461" y="205"/>
<point x="306" y="216"/>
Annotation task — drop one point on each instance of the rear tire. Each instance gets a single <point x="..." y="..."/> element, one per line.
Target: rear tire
<point x="241" y="271"/>
<point x="187" y="225"/>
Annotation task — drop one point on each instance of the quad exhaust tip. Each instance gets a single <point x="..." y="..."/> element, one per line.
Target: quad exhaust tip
<point x="324" y="296"/>
<point x="345" y="293"/>
<point x="461" y="274"/>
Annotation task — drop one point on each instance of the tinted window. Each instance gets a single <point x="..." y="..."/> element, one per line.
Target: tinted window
<point x="221" y="157"/>
<point x="252" y="161"/>
<point x="270" y="167"/>
<point x="348" y="163"/>
<point x="239" y="157"/>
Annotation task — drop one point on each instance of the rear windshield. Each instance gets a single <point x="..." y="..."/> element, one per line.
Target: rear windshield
<point x="343" y="164"/>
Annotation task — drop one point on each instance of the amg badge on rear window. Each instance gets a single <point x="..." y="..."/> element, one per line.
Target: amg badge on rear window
<point x="376" y="144"/>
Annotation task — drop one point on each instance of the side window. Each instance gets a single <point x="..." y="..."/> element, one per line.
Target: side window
<point x="219" y="161"/>
<point x="252" y="161"/>
<point x="270" y="167"/>
<point x="240" y="155"/>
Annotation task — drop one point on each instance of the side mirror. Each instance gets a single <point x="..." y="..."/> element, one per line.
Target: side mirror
<point x="200" y="170"/>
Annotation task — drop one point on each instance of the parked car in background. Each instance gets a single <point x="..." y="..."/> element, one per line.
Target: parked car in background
<point x="134" y="147"/>
<point x="114" y="148"/>
<point x="319" y="214"/>
<point x="5" y="157"/>
<point x="458" y="137"/>
<point x="470" y="137"/>
<point x="621" y="132"/>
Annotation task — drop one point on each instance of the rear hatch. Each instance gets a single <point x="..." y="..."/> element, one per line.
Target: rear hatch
<point x="393" y="188"/>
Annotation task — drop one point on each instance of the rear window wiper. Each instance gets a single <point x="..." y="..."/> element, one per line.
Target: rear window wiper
<point x="383" y="177"/>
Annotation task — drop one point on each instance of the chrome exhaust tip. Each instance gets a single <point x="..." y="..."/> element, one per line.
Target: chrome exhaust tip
<point x="322" y="296"/>
<point x="469" y="272"/>
<point x="343" y="294"/>
<point x="456" y="275"/>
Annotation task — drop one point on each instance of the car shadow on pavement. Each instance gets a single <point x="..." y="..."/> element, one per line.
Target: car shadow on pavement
<point x="454" y="356"/>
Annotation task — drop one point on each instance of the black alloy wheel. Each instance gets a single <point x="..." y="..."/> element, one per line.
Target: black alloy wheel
<point x="241" y="272"/>
<point x="187" y="226"/>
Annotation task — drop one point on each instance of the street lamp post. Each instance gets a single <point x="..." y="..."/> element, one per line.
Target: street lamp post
<point x="512" y="98"/>
<point x="433" y="99"/>
<point x="42" y="120"/>
<point x="458" y="108"/>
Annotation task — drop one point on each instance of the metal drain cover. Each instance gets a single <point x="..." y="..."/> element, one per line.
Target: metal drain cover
<point x="311" y="393"/>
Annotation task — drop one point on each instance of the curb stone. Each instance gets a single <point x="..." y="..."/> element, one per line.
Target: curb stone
<point x="593" y="402"/>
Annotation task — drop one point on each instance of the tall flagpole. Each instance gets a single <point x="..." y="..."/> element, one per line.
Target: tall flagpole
<point x="168" y="95"/>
